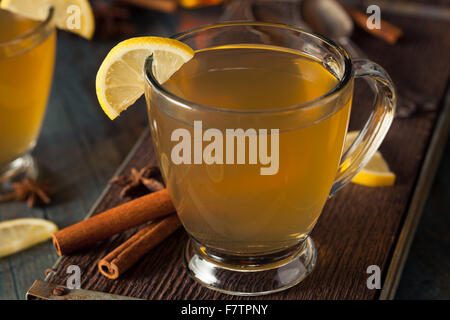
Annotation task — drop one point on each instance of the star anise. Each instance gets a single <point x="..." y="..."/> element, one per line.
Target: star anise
<point x="28" y="190"/>
<point x="139" y="182"/>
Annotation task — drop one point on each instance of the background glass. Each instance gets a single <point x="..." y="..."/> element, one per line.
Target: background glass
<point x="27" y="54"/>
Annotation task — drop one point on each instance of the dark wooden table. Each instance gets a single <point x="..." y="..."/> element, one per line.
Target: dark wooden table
<point x="80" y="148"/>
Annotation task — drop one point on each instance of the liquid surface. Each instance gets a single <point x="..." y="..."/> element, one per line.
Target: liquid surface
<point x="250" y="79"/>
<point x="25" y="81"/>
<point x="233" y="208"/>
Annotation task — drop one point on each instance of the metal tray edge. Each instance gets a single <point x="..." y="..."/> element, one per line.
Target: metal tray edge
<point x="418" y="200"/>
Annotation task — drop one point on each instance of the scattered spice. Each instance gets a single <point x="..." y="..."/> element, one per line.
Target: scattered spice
<point x="167" y="6"/>
<point x="147" y="179"/>
<point x="28" y="190"/>
<point x="48" y="271"/>
<point x="59" y="291"/>
<point x="112" y="19"/>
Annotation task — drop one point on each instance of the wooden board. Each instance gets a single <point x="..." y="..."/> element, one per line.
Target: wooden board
<point x="359" y="227"/>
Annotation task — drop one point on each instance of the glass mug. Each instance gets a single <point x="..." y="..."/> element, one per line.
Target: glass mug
<point x="249" y="230"/>
<point x="27" y="54"/>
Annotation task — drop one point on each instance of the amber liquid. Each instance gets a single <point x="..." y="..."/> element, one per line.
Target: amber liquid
<point x="233" y="208"/>
<point x="25" y="80"/>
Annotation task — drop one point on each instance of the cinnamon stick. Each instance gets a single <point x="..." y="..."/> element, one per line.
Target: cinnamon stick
<point x="112" y="221"/>
<point x="387" y="32"/>
<point x="128" y="253"/>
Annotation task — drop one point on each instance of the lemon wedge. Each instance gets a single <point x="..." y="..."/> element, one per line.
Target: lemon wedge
<point x="72" y="15"/>
<point x="19" y="234"/>
<point x="376" y="172"/>
<point x="120" y="79"/>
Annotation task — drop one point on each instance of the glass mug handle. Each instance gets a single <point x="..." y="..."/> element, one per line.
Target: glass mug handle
<point x="375" y="129"/>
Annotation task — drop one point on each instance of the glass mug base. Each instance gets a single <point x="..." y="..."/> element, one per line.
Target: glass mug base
<point x="255" y="280"/>
<point x="17" y="170"/>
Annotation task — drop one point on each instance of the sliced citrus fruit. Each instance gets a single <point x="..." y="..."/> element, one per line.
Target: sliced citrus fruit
<point x="376" y="172"/>
<point x="19" y="234"/>
<point x="71" y="15"/>
<point x="120" y="78"/>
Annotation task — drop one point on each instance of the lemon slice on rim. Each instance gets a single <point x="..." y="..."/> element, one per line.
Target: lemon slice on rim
<point x="120" y="79"/>
<point x="376" y="172"/>
<point x="19" y="234"/>
<point x="72" y="15"/>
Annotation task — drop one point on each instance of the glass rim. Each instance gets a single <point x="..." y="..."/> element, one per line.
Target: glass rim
<point x="323" y="99"/>
<point x="30" y="33"/>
